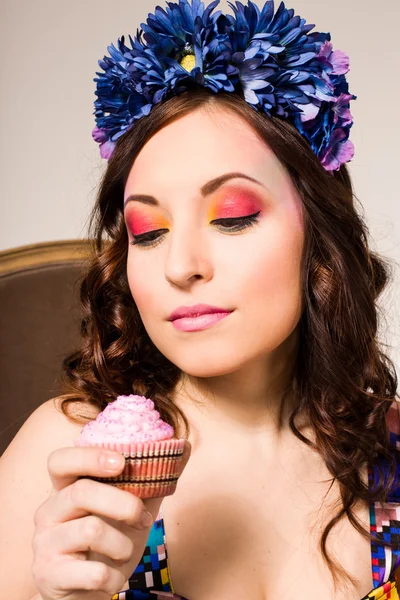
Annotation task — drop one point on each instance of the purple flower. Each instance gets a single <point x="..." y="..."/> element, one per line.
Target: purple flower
<point x="337" y="60"/>
<point x="99" y="135"/>
<point x="340" y="150"/>
<point x="107" y="149"/>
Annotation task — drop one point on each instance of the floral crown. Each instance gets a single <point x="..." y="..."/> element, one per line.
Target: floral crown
<point x="271" y="59"/>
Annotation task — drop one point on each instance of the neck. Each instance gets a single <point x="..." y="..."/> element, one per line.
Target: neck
<point x="252" y="402"/>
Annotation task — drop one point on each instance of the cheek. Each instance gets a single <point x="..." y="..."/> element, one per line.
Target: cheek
<point x="275" y="270"/>
<point x="270" y="281"/>
<point x="142" y="288"/>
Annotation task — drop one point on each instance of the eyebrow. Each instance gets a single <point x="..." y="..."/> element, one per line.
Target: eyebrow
<point x="207" y="189"/>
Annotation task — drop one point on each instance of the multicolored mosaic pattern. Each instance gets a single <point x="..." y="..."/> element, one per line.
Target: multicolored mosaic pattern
<point x="387" y="591"/>
<point x="152" y="571"/>
<point x="151" y="579"/>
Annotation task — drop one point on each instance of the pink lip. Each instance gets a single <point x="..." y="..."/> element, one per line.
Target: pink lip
<point x="200" y="322"/>
<point x="195" y="311"/>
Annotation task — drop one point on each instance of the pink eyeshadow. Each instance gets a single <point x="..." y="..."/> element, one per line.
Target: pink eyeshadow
<point x="139" y="223"/>
<point x="230" y="203"/>
<point x="235" y="203"/>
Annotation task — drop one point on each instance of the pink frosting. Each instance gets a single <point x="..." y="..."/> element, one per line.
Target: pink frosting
<point x="127" y="420"/>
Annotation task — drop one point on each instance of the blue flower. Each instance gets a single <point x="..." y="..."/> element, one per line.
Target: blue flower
<point x="277" y="59"/>
<point x="271" y="58"/>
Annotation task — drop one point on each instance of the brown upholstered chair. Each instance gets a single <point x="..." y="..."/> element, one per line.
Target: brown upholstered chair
<point x="39" y="325"/>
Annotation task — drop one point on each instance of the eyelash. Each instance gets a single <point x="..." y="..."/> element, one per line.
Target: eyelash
<point x="240" y="223"/>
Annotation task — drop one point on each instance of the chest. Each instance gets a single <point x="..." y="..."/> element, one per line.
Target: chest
<point x="254" y="533"/>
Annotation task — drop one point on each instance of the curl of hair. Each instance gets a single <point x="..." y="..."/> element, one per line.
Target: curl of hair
<point x="343" y="380"/>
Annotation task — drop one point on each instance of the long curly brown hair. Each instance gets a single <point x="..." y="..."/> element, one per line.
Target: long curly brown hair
<point x="343" y="381"/>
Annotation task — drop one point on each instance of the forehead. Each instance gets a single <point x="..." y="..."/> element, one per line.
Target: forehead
<point x="198" y="147"/>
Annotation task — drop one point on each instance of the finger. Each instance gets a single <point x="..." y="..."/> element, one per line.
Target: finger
<point x="65" y="465"/>
<point x="85" y="497"/>
<point x="75" y="575"/>
<point x="91" y="533"/>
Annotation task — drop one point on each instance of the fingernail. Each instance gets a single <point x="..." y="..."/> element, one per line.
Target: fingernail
<point x="112" y="462"/>
<point x="146" y="519"/>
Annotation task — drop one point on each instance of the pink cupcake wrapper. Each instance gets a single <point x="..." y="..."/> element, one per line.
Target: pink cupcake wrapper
<point x="151" y="468"/>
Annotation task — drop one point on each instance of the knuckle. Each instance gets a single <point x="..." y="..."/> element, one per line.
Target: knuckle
<point x="116" y="583"/>
<point x="93" y="528"/>
<point x="38" y="574"/>
<point x="131" y="548"/>
<point x="132" y="508"/>
<point x="128" y="508"/>
<point x="99" y="576"/>
<point x="42" y="549"/>
<point x="52" y="461"/>
<point x="35" y="544"/>
<point x="135" y="507"/>
<point x="121" y="581"/>
<point x="125" y="553"/>
<point x="37" y="517"/>
<point x="35" y="569"/>
<point x="40" y="516"/>
<point x="77" y="491"/>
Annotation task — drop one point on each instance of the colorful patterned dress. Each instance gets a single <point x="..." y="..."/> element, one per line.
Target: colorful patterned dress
<point x="151" y="579"/>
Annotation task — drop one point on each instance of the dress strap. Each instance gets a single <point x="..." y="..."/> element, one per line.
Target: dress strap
<point x="385" y="516"/>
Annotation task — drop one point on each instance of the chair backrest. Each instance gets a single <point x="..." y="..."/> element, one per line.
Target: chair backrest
<point x="39" y="325"/>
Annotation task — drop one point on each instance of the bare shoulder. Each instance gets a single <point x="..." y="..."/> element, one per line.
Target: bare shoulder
<point x="25" y="484"/>
<point x="48" y="428"/>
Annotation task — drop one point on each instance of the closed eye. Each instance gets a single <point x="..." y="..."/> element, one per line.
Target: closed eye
<point x="153" y="238"/>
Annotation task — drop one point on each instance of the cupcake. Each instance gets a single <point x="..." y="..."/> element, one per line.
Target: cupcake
<point x="132" y="426"/>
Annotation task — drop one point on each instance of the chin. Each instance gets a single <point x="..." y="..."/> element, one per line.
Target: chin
<point x="207" y="363"/>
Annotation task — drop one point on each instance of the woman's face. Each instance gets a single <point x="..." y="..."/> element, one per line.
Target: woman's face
<point x="253" y="271"/>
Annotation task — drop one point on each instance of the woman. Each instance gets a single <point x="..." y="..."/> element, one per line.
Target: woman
<point x="286" y="399"/>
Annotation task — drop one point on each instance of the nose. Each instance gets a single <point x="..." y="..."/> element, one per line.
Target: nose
<point x="188" y="257"/>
